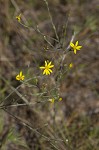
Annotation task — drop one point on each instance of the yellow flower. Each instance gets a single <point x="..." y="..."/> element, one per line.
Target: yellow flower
<point x="71" y="65"/>
<point x="51" y="100"/>
<point x="60" y="99"/>
<point x="20" y="76"/>
<point x="18" y="17"/>
<point x="47" y="68"/>
<point x="75" y="47"/>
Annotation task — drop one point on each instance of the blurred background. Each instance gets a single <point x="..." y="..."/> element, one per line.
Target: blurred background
<point x="23" y="48"/>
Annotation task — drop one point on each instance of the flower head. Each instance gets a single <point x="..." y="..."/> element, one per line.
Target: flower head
<point x="47" y="68"/>
<point x="20" y="76"/>
<point x="75" y="46"/>
<point x="51" y="100"/>
<point x="18" y="17"/>
<point x="71" y="65"/>
<point x="60" y="99"/>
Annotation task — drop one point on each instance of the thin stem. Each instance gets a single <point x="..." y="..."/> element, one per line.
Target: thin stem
<point x="31" y="128"/>
<point x="65" y="52"/>
<point x="15" y="89"/>
<point x="54" y="28"/>
<point x="37" y="29"/>
<point x="54" y="118"/>
<point x="19" y="105"/>
<point x="65" y="27"/>
<point x="72" y="39"/>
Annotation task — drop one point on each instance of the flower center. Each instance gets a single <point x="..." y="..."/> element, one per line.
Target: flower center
<point x="75" y="47"/>
<point x="47" y="67"/>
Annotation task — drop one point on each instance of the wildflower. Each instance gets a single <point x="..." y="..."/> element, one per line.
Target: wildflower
<point x="51" y="100"/>
<point x="18" y="17"/>
<point x="71" y="65"/>
<point x="60" y="99"/>
<point x="47" y="68"/>
<point x="46" y="48"/>
<point x="20" y="76"/>
<point x="75" y="46"/>
<point x="66" y="140"/>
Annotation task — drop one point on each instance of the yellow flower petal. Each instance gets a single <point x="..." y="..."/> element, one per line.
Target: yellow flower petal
<point x="47" y="72"/>
<point x="71" y="44"/>
<point x="18" y="77"/>
<point x="50" y="70"/>
<point x="76" y="43"/>
<point x="74" y="51"/>
<point x="22" y="78"/>
<point x="45" y="63"/>
<point x="44" y="71"/>
<point x="78" y="47"/>
<point x="20" y="73"/>
<point x="42" y="67"/>
<point x="49" y="63"/>
<point x="51" y="66"/>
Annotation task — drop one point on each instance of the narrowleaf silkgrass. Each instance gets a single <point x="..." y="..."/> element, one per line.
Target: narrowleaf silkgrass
<point x="37" y="103"/>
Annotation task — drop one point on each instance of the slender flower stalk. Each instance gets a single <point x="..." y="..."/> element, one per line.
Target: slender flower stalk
<point x="47" y="68"/>
<point x="75" y="47"/>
